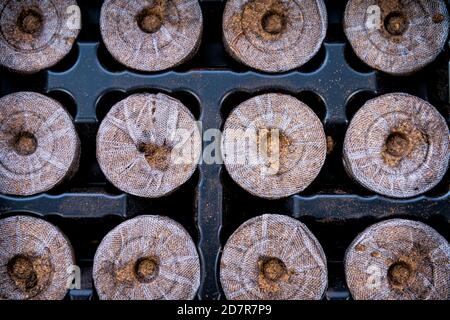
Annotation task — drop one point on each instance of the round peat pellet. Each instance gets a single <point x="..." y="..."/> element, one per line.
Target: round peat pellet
<point x="39" y="145"/>
<point x="399" y="260"/>
<point x="36" y="34"/>
<point x="397" y="145"/>
<point x="273" y="145"/>
<point x="274" y="35"/>
<point x="397" y="37"/>
<point x="273" y="257"/>
<point x="36" y="260"/>
<point x="147" y="258"/>
<point x="151" y="35"/>
<point x="148" y="145"/>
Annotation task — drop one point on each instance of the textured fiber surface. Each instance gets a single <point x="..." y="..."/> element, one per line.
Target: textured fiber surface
<point x="247" y="271"/>
<point x="397" y="145"/>
<point x="39" y="146"/>
<point x="301" y="139"/>
<point x="158" y="241"/>
<point x="35" y="34"/>
<point x="274" y="35"/>
<point x="148" y="145"/>
<point x="398" y="260"/>
<point x="408" y="36"/>
<point x="35" y="260"/>
<point x="151" y="35"/>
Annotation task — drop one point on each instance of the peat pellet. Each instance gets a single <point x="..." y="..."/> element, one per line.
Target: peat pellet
<point x="147" y="258"/>
<point x="399" y="260"/>
<point x="397" y="37"/>
<point x="37" y="34"/>
<point x="273" y="257"/>
<point x="39" y="146"/>
<point x="273" y="145"/>
<point x="397" y="145"/>
<point x="274" y="35"/>
<point x="36" y="260"/>
<point x="148" y="145"/>
<point x="151" y="35"/>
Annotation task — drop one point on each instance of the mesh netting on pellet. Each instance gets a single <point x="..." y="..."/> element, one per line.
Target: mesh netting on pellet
<point x="274" y="35"/>
<point x="398" y="37"/>
<point x="397" y="145"/>
<point x="273" y="257"/>
<point x="39" y="144"/>
<point x="36" y="260"/>
<point x="151" y="35"/>
<point x="148" y="145"/>
<point x="396" y="260"/>
<point x="268" y="165"/>
<point x="147" y="258"/>
<point x="37" y="34"/>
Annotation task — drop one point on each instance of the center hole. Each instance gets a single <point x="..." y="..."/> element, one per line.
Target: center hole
<point x="157" y="156"/>
<point x="20" y="269"/>
<point x="30" y="21"/>
<point x="273" y="22"/>
<point x="273" y="269"/>
<point x="25" y="143"/>
<point x="397" y="144"/>
<point x="399" y="273"/>
<point x="149" y="21"/>
<point x="396" y="23"/>
<point x="146" y="269"/>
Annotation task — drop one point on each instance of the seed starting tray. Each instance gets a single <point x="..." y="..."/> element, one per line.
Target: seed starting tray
<point x="335" y="84"/>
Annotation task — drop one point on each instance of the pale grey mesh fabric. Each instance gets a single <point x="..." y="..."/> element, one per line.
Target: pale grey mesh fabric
<point x="38" y="240"/>
<point x="273" y="236"/>
<point x="369" y="261"/>
<point x="422" y="41"/>
<point x="175" y="42"/>
<point x="417" y="172"/>
<point x="178" y="275"/>
<point x="305" y="27"/>
<point x="26" y="53"/>
<point x="57" y="151"/>
<point x="148" y="118"/>
<point x="298" y="165"/>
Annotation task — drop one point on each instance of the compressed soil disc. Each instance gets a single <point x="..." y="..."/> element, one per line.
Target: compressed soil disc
<point x="151" y="35"/>
<point x="397" y="37"/>
<point x="39" y="146"/>
<point x="273" y="145"/>
<point x="148" y="145"/>
<point x="36" y="34"/>
<point x="36" y="260"/>
<point x="397" y="145"/>
<point x="147" y="258"/>
<point x="399" y="260"/>
<point x="274" y="35"/>
<point x="273" y="257"/>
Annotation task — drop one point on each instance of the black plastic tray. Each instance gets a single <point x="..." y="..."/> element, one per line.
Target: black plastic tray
<point x="335" y="84"/>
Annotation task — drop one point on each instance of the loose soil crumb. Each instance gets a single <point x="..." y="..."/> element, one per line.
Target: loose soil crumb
<point x="157" y="156"/>
<point x="31" y="275"/>
<point x="272" y="271"/>
<point x="330" y="144"/>
<point x="438" y="18"/>
<point x="360" y="247"/>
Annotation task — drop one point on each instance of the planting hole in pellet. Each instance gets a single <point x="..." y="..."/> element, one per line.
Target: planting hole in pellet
<point x="20" y="270"/>
<point x="149" y="20"/>
<point x="25" y="143"/>
<point x="30" y="21"/>
<point x="146" y="269"/>
<point x="399" y="274"/>
<point x="157" y="156"/>
<point x="273" y="22"/>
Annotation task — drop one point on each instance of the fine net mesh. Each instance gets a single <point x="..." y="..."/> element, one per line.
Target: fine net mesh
<point x="245" y="273"/>
<point x="148" y="145"/>
<point x="397" y="145"/>
<point x="36" y="34"/>
<point x="301" y="144"/>
<point x="39" y="144"/>
<point x="274" y="35"/>
<point x="173" y="35"/>
<point x="423" y="30"/>
<point x="119" y="264"/>
<point x="399" y="260"/>
<point x="35" y="260"/>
